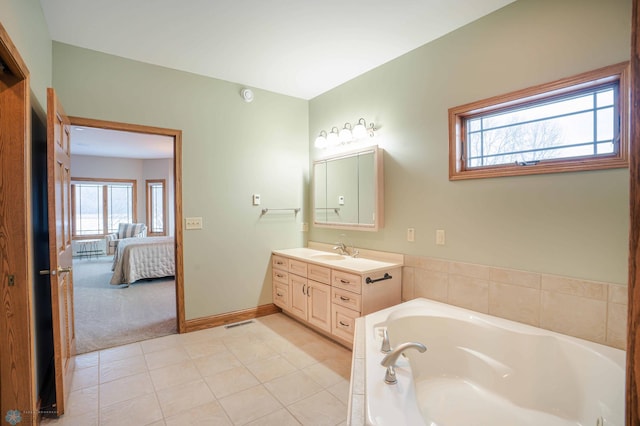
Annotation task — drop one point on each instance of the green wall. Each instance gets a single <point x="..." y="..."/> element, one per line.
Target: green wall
<point x="573" y="224"/>
<point x="231" y="150"/>
<point x="25" y="23"/>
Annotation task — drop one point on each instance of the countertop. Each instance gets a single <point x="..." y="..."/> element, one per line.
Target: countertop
<point x="357" y="265"/>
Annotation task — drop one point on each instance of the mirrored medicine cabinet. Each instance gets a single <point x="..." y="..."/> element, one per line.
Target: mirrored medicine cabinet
<point x="348" y="190"/>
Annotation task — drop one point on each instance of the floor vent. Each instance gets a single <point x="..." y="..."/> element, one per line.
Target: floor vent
<point x="236" y="324"/>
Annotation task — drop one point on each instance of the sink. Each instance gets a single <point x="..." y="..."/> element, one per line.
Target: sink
<point x="327" y="256"/>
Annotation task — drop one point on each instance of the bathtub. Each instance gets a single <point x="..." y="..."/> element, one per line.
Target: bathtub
<point x="480" y="370"/>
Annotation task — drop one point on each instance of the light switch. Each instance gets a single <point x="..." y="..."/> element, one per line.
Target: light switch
<point x="256" y="199"/>
<point x="193" y="223"/>
<point x="440" y="237"/>
<point x="411" y="234"/>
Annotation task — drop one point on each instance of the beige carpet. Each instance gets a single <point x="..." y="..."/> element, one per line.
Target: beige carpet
<point x="107" y="315"/>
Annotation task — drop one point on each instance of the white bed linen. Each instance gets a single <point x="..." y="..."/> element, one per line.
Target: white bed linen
<point x="139" y="258"/>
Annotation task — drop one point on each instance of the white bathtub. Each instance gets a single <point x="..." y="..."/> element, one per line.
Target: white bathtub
<point x="480" y="370"/>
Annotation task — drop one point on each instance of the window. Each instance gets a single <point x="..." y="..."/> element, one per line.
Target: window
<point x="100" y="206"/>
<point x="579" y="123"/>
<point x="156" y="207"/>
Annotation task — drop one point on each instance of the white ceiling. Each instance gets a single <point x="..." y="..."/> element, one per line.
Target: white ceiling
<point x="114" y="143"/>
<point x="300" y="48"/>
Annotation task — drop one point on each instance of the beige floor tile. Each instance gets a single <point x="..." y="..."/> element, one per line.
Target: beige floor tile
<point x="210" y="414"/>
<point x="268" y="369"/>
<point x="324" y="375"/>
<point x="175" y="374"/>
<point x="249" y="405"/>
<point x="82" y="401"/>
<point x="120" y="352"/>
<point x="293" y="387"/>
<point x="158" y="423"/>
<point x="231" y="381"/>
<point x="178" y="399"/>
<point x="298" y="356"/>
<point x="197" y="349"/>
<point x="341" y="391"/>
<point x="126" y="388"/>
<point x="142" y="410"/>
<point x="84" y="378"/>
<point x="165" y="357"/>
<point x="319" y="409"/>
<point x="122" y="368"/>
<point x="90" y="359"/>
<point x="87" y="419"/>
<point x="202" y="335"/>
<point x="160" y="343"/>
<point x="216" y="363"/>
<point x="278" y="418"/>
<point x="251" y="351"/>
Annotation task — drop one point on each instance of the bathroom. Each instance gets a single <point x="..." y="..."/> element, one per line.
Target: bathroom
<point x="561" y="226"/>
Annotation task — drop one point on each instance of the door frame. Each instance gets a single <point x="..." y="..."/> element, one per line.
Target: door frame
<point x="17" y="357"/>
<point x="177" y="194"/>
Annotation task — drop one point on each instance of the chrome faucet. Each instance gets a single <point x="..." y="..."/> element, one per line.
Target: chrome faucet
<point x="342" y="248"/>
<point x="390" y="359"/>
<point x="386" y="346"/>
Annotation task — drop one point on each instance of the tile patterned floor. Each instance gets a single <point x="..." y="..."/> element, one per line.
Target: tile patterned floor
<point x="273" y="371"/>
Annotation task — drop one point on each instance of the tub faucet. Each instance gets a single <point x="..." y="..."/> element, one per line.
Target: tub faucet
<point x="390" y="359"/>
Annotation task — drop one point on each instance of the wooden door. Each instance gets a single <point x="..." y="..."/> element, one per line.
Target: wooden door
<point x="298" y="290"/>
<point x="319" y="308"/>
<point x="61" y="274"/>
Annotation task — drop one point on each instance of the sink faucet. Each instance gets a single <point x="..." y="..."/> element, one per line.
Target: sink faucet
<point x="343" y="249"/>
<point x="390" y="359"/>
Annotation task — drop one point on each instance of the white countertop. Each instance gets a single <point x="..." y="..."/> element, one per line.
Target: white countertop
<point x="357" y="265"/>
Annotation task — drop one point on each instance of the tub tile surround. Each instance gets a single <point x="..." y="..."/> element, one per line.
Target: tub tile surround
<point x="590" y="310"/>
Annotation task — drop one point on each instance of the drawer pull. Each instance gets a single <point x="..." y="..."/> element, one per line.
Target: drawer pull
<point x="344" y="299"/>
<point x="345" y="281"/>
<point x="279" y="295"/>
<point x="279" y="263"/>
<point x="343" y="324"/>
<point x="279" y="275"/>
<point x="303" y="286"/>
<point x="385" y="277"/>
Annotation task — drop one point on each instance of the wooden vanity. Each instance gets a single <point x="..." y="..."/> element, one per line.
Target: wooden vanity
<point x="327" y="291"/>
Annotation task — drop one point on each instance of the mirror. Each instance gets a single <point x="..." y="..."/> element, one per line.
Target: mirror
<point x="347" y="190"/>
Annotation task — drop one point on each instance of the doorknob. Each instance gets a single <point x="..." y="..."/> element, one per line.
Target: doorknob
<point x="67" y="269"/>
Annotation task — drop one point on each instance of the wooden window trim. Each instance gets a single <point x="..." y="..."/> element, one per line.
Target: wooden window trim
<point x="105" y="217"/>
<point x="164" y="207"/>
<point x="457" y="115"/>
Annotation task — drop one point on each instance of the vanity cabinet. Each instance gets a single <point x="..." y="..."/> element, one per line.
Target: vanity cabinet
<point x="330" y="298"/>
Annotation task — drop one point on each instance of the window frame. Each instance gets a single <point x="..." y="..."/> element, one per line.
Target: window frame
<point x="458" y="115"/>
<point x="105" y="205"/>
<point x="148" y="183"/>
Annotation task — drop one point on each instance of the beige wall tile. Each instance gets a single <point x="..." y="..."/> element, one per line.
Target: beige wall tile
<point x="407" y="283"/>
<point x="470" y="270"/>
<point x="575" y="287"/>
<point x="470" y="293"/>
<point x="515" y="277"/>
<point x="618" y="294"/>
<point x="617" y="325"/>
<point x="573" y="315"/>
<point x="431" y="284"/>
<point x="427" y="263"/>
<point x="515" y="303"/>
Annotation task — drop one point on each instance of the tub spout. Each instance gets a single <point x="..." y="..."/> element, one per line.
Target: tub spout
<point x="386" y="346"/>
<point x="390" y="359"/>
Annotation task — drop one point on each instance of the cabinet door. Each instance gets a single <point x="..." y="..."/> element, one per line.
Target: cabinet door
<point x="319" y="305"/>
<point x="298" y="296"/>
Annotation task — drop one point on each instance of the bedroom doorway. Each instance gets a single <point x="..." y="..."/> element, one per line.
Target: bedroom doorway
<point x="126" y="183"/>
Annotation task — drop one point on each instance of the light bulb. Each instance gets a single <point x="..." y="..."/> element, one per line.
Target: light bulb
<point x="332" y="138"/>
<point x="321" y="140"/>
<point x="345" y="134"/>
<point x="360" y="131"/>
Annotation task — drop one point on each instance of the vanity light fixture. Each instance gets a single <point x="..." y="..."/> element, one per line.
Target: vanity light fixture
<point x="345" y="135"/>
<point x="321" y="140"/>
<point x="333" y="139"/>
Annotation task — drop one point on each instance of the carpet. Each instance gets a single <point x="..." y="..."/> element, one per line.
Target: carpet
<point x="108" y="315"/>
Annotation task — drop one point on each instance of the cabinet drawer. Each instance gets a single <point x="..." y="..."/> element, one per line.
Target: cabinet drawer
<point x="346" y="298"/>
<point x="280" y="276"/>
<point x="281" y="295"/>
<point x="346" y="281"/>
<point x="319" y="273"/>
<point x="343" y="322"/>
<point x="298" y="268"/>
<point x="279" y="262"/>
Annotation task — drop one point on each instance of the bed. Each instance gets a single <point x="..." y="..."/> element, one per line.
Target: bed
<point x="142" y="258"/>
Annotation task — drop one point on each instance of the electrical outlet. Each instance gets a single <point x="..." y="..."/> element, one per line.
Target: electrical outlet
<point x="341" y="200"/>
<point x="304" y="227"/>
<point x="193" y="223"/>
<point x="440" y="237"/>
<point x="411" y="234"/>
